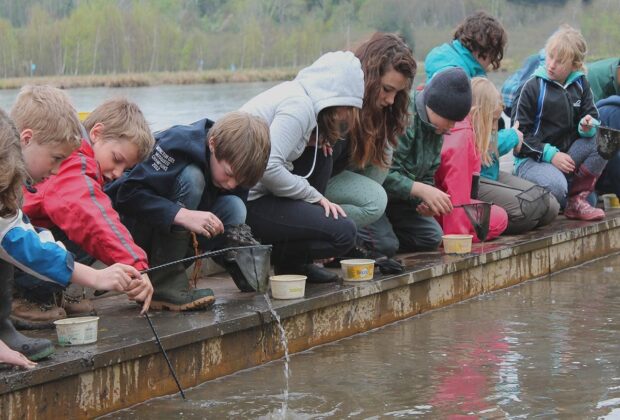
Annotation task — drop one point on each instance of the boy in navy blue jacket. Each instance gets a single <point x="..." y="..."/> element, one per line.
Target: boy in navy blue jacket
<point x="195" y="180"/>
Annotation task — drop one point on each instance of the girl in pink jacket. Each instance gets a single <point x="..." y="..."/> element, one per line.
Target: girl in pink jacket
<point x="464" y="149"/>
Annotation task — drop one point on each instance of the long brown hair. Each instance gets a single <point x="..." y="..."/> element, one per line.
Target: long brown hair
<point x="380" y="127"/>
<point x="13" y="172"/>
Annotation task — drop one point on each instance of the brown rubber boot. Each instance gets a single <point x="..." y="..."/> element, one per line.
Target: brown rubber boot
<point x="78" y="306"/>
<point x="27" y="315"/>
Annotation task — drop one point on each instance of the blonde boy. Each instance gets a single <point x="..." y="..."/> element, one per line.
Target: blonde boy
<point x="556" y="113"/>
<point x="35" y="251"/>
<point x="74" y="206"/>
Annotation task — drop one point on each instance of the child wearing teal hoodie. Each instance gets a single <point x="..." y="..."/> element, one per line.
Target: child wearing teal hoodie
<point x="556" y="113"/>
<point x="478" y="44"/>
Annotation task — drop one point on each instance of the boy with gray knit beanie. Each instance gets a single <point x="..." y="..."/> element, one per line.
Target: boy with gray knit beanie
<point x="408" y="223"/>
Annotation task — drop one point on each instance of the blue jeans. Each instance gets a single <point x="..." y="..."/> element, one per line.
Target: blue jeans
<point x="610" y="180"/>
<point x="414" y="231"/>
<point x="188" y="191"/>
<point x="582" y="151"/>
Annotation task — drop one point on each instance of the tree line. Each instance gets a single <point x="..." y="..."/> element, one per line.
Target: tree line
<point x="84" y="37"/>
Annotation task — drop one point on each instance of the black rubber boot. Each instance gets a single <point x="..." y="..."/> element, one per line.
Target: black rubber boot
<point x="313" y="272"/>
<point x="171" y="284"/>
<point x="33" y="348"/>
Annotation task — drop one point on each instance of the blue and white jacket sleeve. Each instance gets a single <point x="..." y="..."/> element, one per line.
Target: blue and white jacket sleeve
<point x="33" y="252"/>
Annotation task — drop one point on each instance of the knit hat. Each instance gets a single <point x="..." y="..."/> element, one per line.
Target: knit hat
<point x="448" y="94"/>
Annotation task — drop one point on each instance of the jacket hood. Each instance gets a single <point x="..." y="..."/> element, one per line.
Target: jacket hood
<point x="613" y="100"/>
<point x="453" y="54"/>
<point x="335" y="79"/>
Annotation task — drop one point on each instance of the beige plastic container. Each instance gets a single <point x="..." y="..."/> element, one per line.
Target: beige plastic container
<point x="457" y="244"/>
<point x="610" y="201"/>
<point x="74" y="331"/>
<point x="288" y="286"/>
<point x="357" y="269"/>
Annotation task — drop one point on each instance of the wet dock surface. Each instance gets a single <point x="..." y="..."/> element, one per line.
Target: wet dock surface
<point x="125" y="336"/>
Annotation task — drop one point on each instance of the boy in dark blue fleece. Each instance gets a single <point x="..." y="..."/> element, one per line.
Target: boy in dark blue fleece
<point x="557" y="116"/>
<point x="195" y="180"/>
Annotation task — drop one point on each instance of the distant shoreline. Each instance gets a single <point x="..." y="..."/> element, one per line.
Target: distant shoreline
<point x="182" y="78"/>
<point x="153" y="79"/>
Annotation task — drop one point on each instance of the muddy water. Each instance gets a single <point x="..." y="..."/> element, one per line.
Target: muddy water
<point x="546" y="348"/>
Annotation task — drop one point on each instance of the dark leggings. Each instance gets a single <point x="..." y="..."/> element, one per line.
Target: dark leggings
<point x="299" y="231"/>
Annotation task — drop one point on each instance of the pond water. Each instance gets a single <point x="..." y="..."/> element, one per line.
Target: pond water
<point x="546" y="349"/>
<point x="168" y="105"/>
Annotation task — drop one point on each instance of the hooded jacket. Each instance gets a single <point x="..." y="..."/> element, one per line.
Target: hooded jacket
<point x="459" y="161"/>
<point x="417" y="157"/>
<point x="143" y="192"/>
<point x="74" y="201"/>
<point x="602" y="76"/>
<point x="34" y="251"/>
<point x="609" y="110"/>
<point x="291" y="110"/>
<point x="549" y="114"/>
<point x="452" y="54"/>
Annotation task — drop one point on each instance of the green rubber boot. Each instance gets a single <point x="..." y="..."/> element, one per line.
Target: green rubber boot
<point x="33" y="348"/>
<point x="171" y="284"/>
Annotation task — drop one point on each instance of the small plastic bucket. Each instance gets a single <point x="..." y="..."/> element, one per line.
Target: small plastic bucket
<point x="357" y="269"/>
<point x="457" y="244"/>
<point x="610" y="201"/>
<point x="288" y="286"/>
<point x="74" y="331"/>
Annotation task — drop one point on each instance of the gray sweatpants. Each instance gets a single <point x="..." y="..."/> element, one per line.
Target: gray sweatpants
<point x="528" y="206"/>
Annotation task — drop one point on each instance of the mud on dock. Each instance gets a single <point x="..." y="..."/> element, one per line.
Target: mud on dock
<point x="125" y="366"/>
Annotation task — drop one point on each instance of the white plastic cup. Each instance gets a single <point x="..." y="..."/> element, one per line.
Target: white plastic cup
<point x="457" y="244"/>
<point x="288" y="286"/>
<point x="75" y="331"/>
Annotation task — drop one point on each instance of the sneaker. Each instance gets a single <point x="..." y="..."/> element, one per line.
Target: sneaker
<point x="386" y="265"/>
<point x="29" y="315"/>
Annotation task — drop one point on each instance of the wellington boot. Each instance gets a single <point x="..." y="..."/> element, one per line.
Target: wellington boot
<point x="33" y="348"/>
<point x="171" y="284"/>
<point x="577" y="205"/>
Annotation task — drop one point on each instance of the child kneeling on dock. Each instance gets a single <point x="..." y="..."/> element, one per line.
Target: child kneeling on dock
<point x="196" y="180"/>
<point x="74" y="206"/>
<point x="35" y="251"/>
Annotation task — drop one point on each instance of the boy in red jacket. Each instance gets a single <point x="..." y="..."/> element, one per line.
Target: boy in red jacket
<point x="74" y="206"/>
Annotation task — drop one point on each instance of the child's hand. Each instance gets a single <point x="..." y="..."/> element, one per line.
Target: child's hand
<point x="424" y="210"/>
<point x="200" y="222"/>
<point x="515" y="127"/>
<point x="437" y="201"/>
<point x="14" y="358"/>
<point x="588" y="122"/>
<point x="140" y="289"/>
<point x="115" y="277"/>
<point x="563" y="162"/>
<point x="331" y="208"/>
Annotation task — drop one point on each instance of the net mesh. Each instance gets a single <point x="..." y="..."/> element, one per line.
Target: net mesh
<point x="479" y="214"/>
<point x="534" y="202"/>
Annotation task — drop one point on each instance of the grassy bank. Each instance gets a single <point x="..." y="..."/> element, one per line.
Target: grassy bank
<point x="184" y="78"/>
<point x="153" y="79"/>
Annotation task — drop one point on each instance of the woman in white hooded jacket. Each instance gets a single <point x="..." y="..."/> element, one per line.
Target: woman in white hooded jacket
<point x="287" y="207"/>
